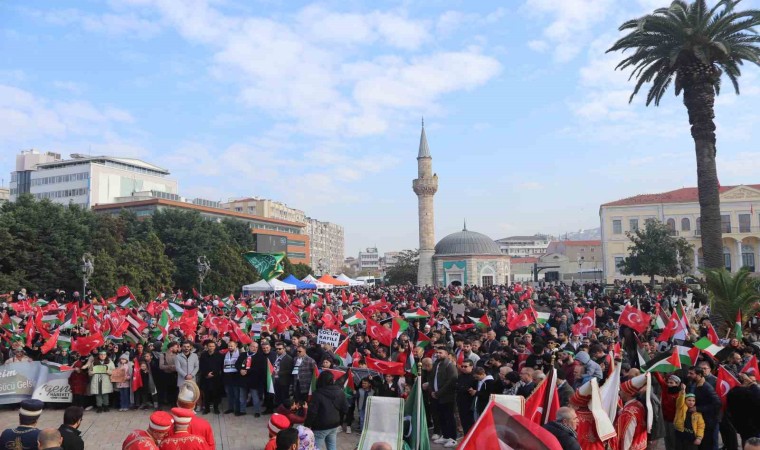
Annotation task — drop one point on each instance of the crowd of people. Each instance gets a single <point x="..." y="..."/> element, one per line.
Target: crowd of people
<point x="262" y="356"/>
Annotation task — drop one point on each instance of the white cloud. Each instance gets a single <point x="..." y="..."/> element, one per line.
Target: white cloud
<point x="571" y="23"/>
<point x="69" y="86"/>
<point x="112" y="24"/>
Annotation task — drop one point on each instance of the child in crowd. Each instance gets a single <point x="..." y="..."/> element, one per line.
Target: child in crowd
<point x="689" y="424"/>
<point x="124" y="386"/>
<point x="364" y="392"/>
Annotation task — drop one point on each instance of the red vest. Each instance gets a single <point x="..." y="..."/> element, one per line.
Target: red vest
<point x="183" y="441"/>
<point x="139" y="440"/>
<point x="631" y="419"/>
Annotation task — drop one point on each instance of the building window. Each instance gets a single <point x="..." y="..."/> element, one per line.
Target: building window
<point x="685" y="224"/>
<point x="744" y="223"/>
<point x="633" y="224"/>
<point x="698" y="230"/>
<point x="748" y="257"/>
<point x="618" y="263"/>
<point x="649" y="220"/>
<point x="296" y="255"/>
<point x="725" y="223"/>
<point x="727" y="258"/>
<point x="294" y="243"/>
<point x="487" y="281"/>
<point x="617" y="226"/>
<point x="700" y="261"/>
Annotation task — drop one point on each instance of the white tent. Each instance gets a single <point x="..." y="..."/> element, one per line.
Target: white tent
<point x="268" y="286"/>
<point x="351" y="282"/>
<point x="320" y="285"/>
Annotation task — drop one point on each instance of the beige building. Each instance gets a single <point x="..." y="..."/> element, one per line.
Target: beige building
<point x="264" y="207"/>
<point x="5" y="195"/>
<point x="679" y="209"/>
<point x="327" y="246"/>
<point x="522" y="246"/>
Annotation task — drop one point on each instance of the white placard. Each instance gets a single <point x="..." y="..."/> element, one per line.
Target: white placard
<point x="328" y="337"/>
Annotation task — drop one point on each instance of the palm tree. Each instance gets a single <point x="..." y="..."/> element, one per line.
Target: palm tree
<point x="730" y="294"/>
<point x="693" y="45"/>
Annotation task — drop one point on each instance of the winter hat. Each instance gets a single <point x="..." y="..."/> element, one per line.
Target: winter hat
<point x="161" y="421"/>
<point x="582" y="357"/>
<point x="188" y="395"/>
<point x="674" y="378"/>
<point x="125" y="355"/>
<point x="277" y="423"/>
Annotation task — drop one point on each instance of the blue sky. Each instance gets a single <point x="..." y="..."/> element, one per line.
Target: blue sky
<point x="319" y="105"/>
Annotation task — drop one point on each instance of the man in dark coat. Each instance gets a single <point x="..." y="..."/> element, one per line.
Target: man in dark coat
<point x="708" y="404"/>
<point x="443" y="393"/>
<point x="24" y="436"/>
<point x="283" y="369"/>
<point x="303" y="371"/>
<point x="210" y="373"/>
<point x="564" y="389"/>
<point x="564" y="428"/>
<point x="252" y="366"/>
<point x="742" y="403"/>
<point x="464" y="396"/>
<point x="72" y="418"/>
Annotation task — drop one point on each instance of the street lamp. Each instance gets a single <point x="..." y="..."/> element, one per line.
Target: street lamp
<point x="580" y="263"/>
<point x="204" y="267"/>
<point x="88" y="267"/>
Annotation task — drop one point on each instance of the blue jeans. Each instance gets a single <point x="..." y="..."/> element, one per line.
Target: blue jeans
<point x="326" y="439"/>
<point x="124" y="398"/>
<point x="232" y="398"/>
<point x="243" y="399"/>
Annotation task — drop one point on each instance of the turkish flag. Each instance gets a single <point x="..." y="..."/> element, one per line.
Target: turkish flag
<point x="522" y="320"/>
<point x="379" y="332"/>
<point x="136" y="376"/>
<point x="84" y="345"/>
<point x="499" y="428"/>
<point x="634" y="318"/>
<point x="385" y="367"/>
<point x="51" y="342"/>
<point x="584" y="325"/>
<point x="751" y="367"/>
<point x="511" y="313"/>
<point x="674" y="327"/>
<point x="724" y="383"/>
<point x="277" y="318"/>
<point x="542" y="405"/>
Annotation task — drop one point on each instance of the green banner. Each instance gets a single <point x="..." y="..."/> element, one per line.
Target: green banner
<point x="268" y="265"/>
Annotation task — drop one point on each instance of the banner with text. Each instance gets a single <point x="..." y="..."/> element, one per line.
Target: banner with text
<point x="328" y="337"/>
<point x="24" y="380"/>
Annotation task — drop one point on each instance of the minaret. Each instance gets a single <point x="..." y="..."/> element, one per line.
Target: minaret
<point x="425" y="186"/>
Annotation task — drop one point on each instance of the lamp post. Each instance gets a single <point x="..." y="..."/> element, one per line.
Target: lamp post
<point x="204" y="267"/>
<point x="88" y="267"/>
<point x="580" y="263"/>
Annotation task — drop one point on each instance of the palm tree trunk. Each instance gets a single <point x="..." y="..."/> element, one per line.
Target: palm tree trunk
<point x="699" y="98"/>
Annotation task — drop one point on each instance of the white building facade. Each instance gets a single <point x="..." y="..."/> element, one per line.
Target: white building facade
<point x="524" y="246"/>
<point x="328" y="246"/>
<point x="85" y="180"/>
<point x="369" y="260"/>
<point x="265" y="207"/>
<point x="679" y="210"/>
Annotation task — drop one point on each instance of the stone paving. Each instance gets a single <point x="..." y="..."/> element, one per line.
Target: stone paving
<point x="106" y="431"/>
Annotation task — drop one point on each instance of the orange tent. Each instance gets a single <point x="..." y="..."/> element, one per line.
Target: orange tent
<point x="330" y="280"/>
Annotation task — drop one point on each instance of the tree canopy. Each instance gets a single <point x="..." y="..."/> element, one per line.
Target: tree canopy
<point x="42" y="243"/>
<point x="405" y="269"/>
<point x="655" y="251"/>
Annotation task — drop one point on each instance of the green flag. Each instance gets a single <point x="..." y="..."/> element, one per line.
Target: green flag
<point x="417" y="437"/>
<point x="268" y="265"/>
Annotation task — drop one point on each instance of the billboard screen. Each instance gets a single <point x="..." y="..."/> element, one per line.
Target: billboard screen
<point x="269" y="243"/>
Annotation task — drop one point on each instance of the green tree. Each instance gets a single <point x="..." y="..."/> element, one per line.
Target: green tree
<point x="299" y="270"/>
<point x="405" y="269"/>
<point x="654" y="251"/>
<point x="692" y="46"/>
<point x="730" y="293"/>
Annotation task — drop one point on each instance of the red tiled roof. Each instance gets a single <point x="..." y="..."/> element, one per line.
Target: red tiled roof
<point x="589" y="243"/>
<point x="683" y="195"/>
<point x="525" y="260"/>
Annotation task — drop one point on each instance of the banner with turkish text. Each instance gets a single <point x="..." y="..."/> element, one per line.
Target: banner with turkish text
<point x="25" y="380"/>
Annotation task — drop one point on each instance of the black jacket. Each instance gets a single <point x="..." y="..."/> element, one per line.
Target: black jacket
<point x="742" y="410"/>
<point x="210" y="363"/>
<point x="256" y="376"/>
<point x="285" y="374"/>
<point x="566" y="439"/>
<point x="526" y="390"/>
<point x="72" y="439"/>
<point x="708" y="403"/>
<point x="325" y="408"/>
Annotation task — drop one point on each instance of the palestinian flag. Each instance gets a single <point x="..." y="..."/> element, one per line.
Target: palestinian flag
<point x="270" y="377"/>
<point x="500" y="428"/>
<point x="687" y="355"/>
<point x="419" y="314"/>
<point x="482" y="323"/>
<point x="422" y="340"/>
<point x="708" y="347"/>
<point x="133" y="337"/>
<point x="348" y="386"/>
<point x="313" y="385"/>
<point x="55" y="367"/>
<point x="6" y="323"/>
<point x="125" y="298"/>
<point x="542" y="317"/>
<point x="398" y="327"/>
<point x="64" y="341"/>
<point x="738" y="325"/>
<point x="355" y="319"/>
<point x="51" y="319"/>
<point x="660" y="319"/>
<point x="175" y="309"/>
<point x="136" y="322"/>
<point x="162" y="326"/>
<point x="70" y="318"/>
<point x="240" y="311"/>
<point x="344" y="359"/>
<point x="666" y="365"/>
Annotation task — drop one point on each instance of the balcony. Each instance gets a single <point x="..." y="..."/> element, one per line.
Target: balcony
<point x="731" y="230"/>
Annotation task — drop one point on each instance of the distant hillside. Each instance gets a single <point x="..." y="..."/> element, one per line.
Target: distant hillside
<point x="583" y="235"/>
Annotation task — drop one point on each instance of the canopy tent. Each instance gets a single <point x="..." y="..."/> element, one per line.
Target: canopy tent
<point x="351" y="282"/>
<point x="330" y="280"/>
<point x="290" y="279"/>
<point x="268" y="286"/>
<point x="320" y="285"/>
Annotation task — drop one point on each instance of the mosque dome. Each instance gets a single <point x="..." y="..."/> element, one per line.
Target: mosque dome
<point x="467" y="242"/>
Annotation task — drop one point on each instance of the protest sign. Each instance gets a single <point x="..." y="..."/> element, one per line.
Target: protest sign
<point x="24" y="380"/>
<point x="328" y="337"/>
